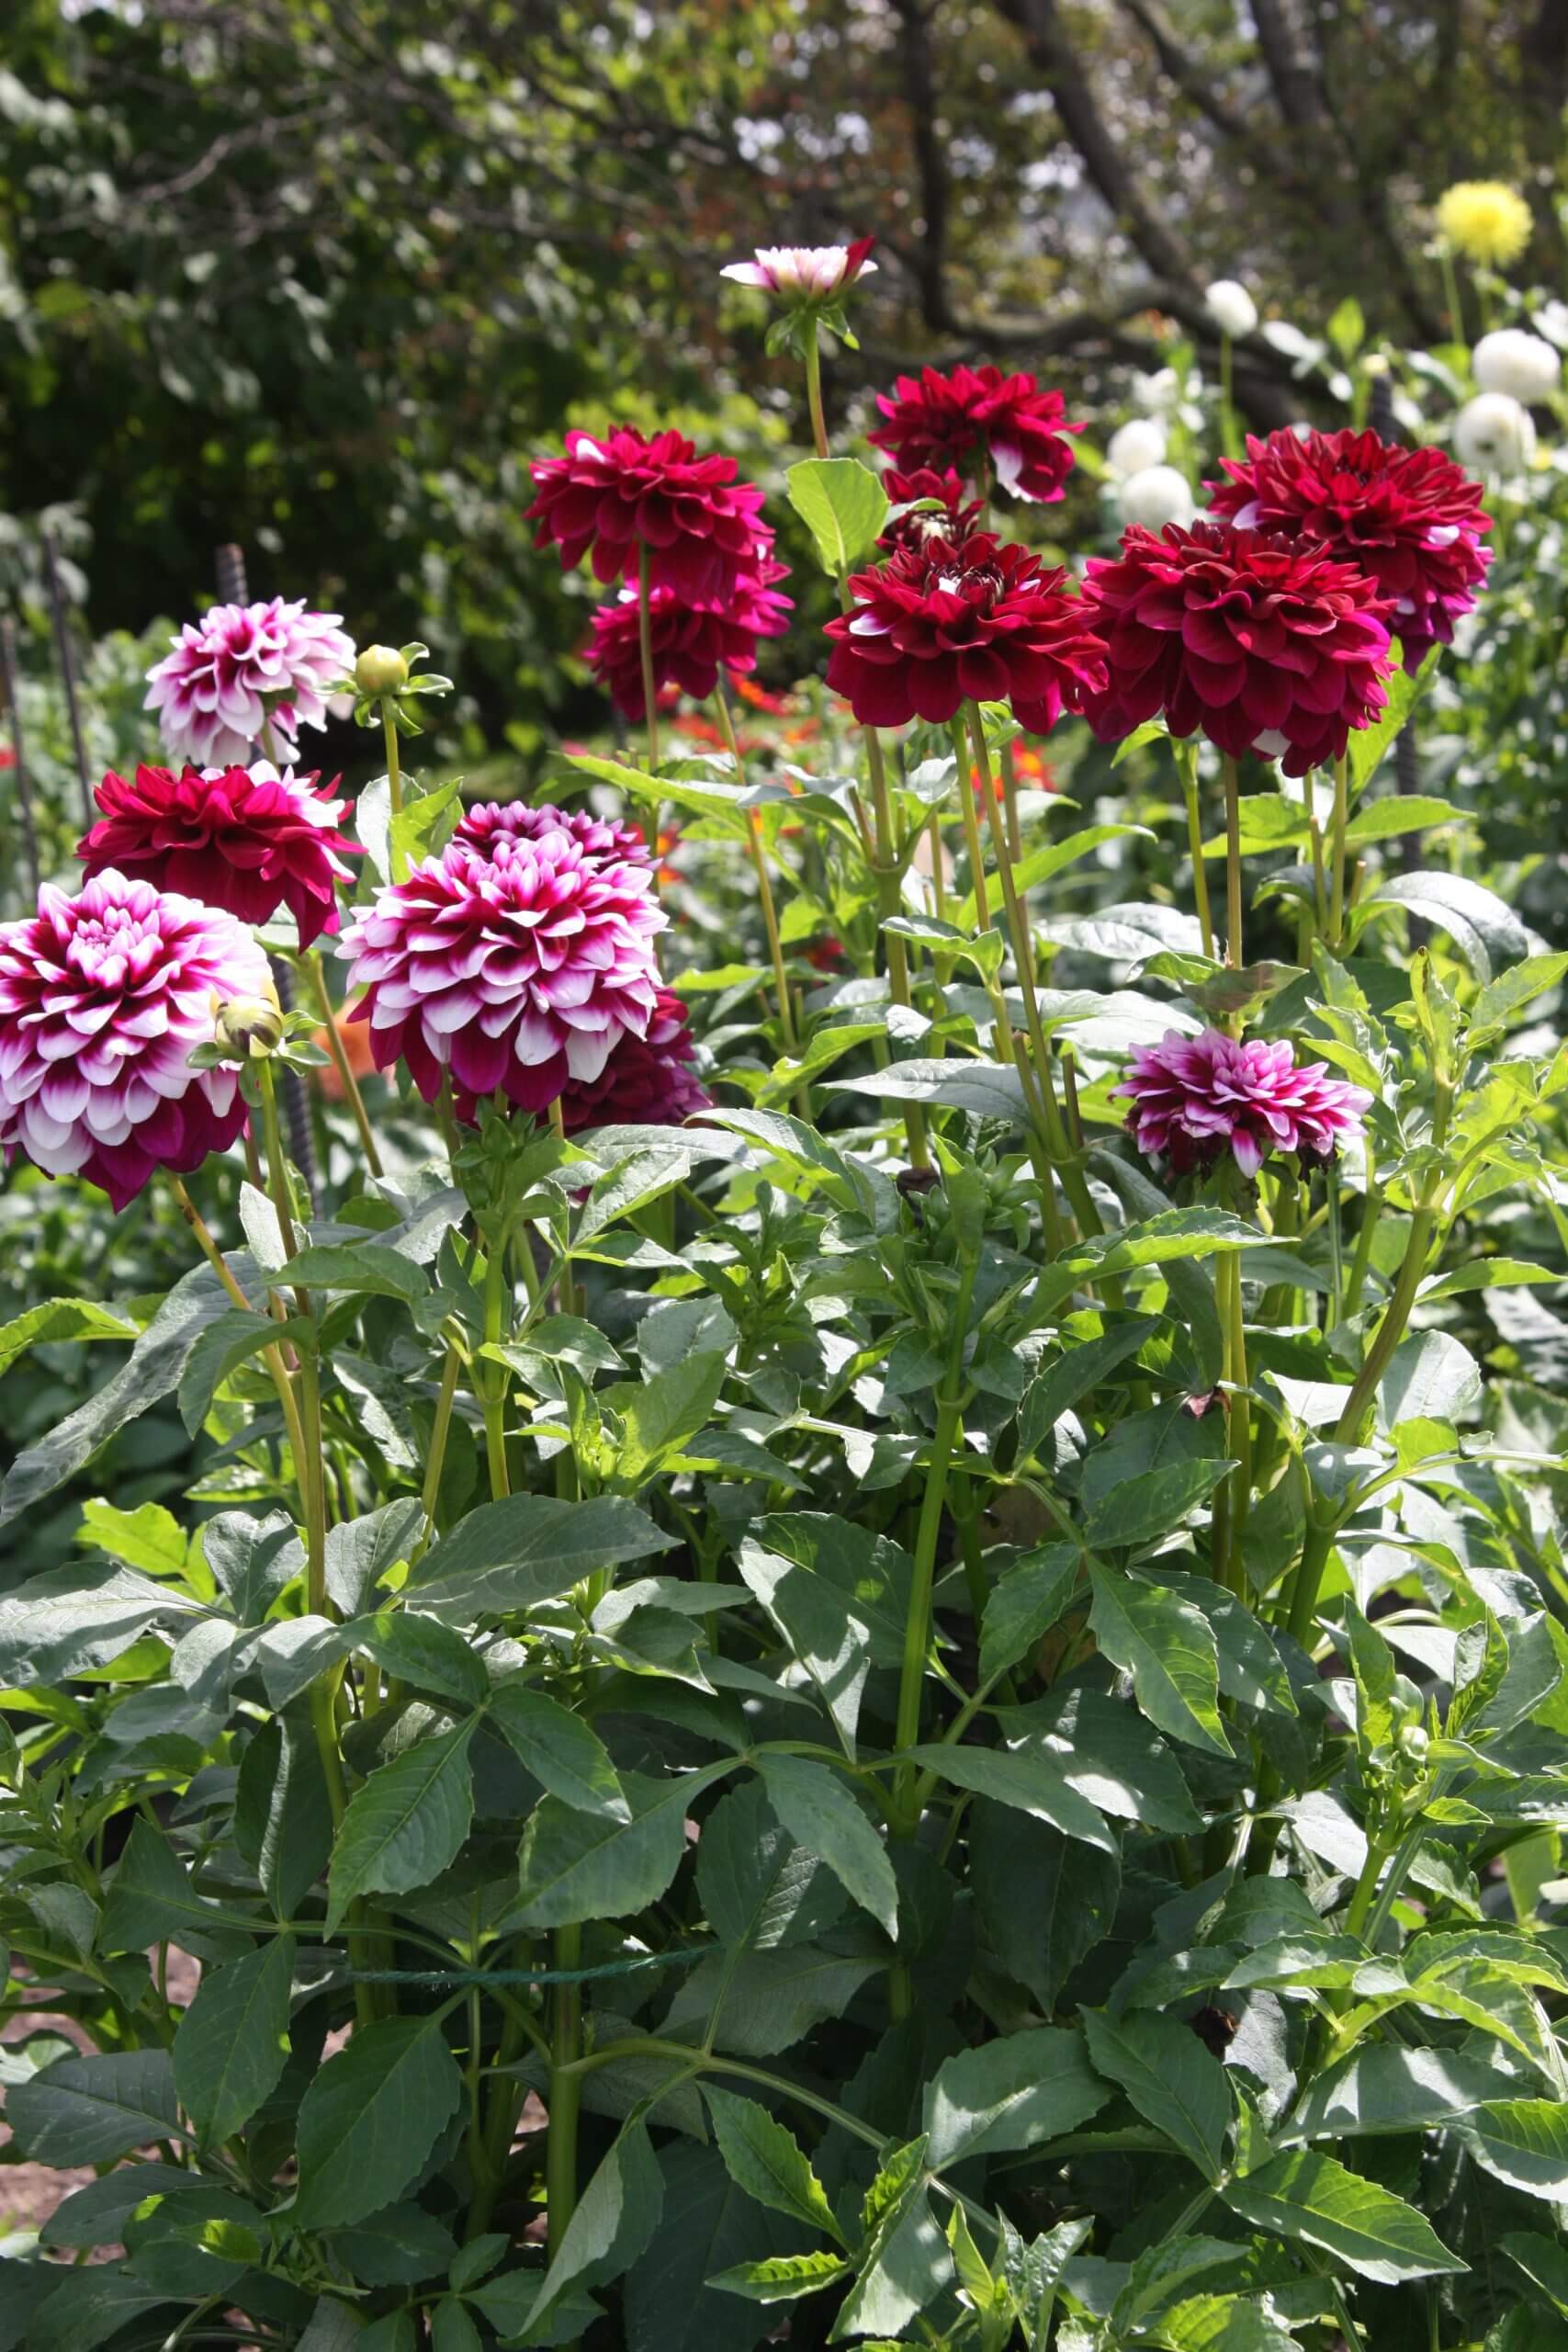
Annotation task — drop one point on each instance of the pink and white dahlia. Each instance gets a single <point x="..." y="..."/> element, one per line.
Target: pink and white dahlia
<point x="518" y="969"/>
<point x="492" y="821"/>
<point x="1196" y="1098"/>
<point x="647" y="1082"/>
<point x="102" y="999"/>
<point x="805" y="273"/>
<point x="248" y="840"/>
<point x="242" y="664"/>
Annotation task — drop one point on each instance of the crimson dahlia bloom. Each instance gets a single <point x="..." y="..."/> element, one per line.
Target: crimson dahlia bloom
<point x="938" y="625"/>
<point x="519" y="970"/>
<point x="102" y="999"/>
<point x="1263" y="643"/>
<point x="245" y="839"/>
<point x="608" y="499"/>
<point x="1196" y="1098"/>
<point x="936" y="420"/>
<point x="241" y="666"/>
<point x="1410" y="519"/>
<point x="492" y="821"/>
<point x="647" y="1082"/>
<point x="959" y="518"/>
<point x="691" y="643"/>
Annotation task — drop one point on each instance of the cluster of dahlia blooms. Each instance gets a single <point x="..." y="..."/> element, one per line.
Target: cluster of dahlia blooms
<point x="1195" y="1099"/>
<point x="975" y="417"/>
<point x="242" y="668"/>
<point x="692" y="644"/>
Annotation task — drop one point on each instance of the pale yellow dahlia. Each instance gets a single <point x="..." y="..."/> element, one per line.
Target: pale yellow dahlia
<point x="1486" y="219"/>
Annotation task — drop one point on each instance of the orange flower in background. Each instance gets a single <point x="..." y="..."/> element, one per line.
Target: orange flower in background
<point x="1031" y="770"/>
<point x="668" y="841"/>
<point x="355" y="1039"/>
<point x="777" y="706"/>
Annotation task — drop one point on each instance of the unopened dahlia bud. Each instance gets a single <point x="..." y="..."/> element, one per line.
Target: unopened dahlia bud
<point x="247" y="1029"/>
<point x="1231" y="307"/>
<point x="1156" y="496"/>
<point x="1135" y="445"/>
<point x="1519" y="364"/>
<point x="1493" y="435"/>
<point x="380" y="670"/>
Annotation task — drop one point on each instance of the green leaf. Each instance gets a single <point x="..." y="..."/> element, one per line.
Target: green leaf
<point x="1052" y="858"/>
<point x="54" y="1319"/>
<point x="1169" y="1648"/>
<point x="149" y="1538"/>
<point x="1305" y="2196"/>
<point x="451" y="2329"/>
<point x="1029" y="1781"/>
<point x="53" y="1625"/>
<point x="509" y="1555"/>
<point x="1485" y="930"/>
<point x="669" y="2300"/>
<point x="424" y="1652"/>
<point x="89" y="2308"/>
<point x="577" y="1865"/>
<point x="396" y="2247"/>
<point x="150" y="1898"/>
<point x="658" y="1416"/>
<point x="1024" y="1603"/>
<point x="1019" y="2091"/>
<point x="360" y="1551"/>
<point x="1074" y="1375"/>
<point x="616" y="2216"/>
<point x="232" y="2042"/>
<point x="90" y="2110"/>
<point x="982" y="1089"/>
<point x="405" y="1824"/>
<point x="563" y="1753"/>
<point x="370" y="2118"/>
<point x="253" y="1560"/>
<point x="1381" y="2086"/>
<point x="770" y="2000"/>
<point x="765" y="2160"/>
<point x="1171" y="2078"/>
<point x="367" y="1268"/>
<point x="1543" y="2264"/>
<point x="1368" y="745"/>
<point x="1140" y="1510"/>
<point x="1523" y="2142"/>
<point x="843" y="506"/>
<point x="1501" y="998"/>
<point x="222" y="1348"/>
<point x="758" y="1885"/>
<point x="815" y="1807"/>
<point x="782" y="2278"/>
<point x="1382" y="821"/>
<point x="1044" y="1901"/>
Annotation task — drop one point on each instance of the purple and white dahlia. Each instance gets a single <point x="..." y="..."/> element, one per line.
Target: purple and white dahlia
<point x="515" y="969"/>
<point x="102" y="999"/>
<point x="241" y="666"/>
<point x="1196" y="1098"/>
<point x="489" y="822"/>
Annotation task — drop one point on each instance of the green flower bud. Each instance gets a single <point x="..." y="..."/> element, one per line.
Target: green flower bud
<point x="247" y="1029"/>
<point x="380" y="670"/>
<point x="1414" y="1743"/>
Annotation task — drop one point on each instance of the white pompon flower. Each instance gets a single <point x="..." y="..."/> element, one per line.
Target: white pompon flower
<point x="803" y="273"/>
<point x="1158" y="393"/>
<point x="1158" y="495"/>
<point x="1552" y="320"/>
<point x="1493" y="435"/>
<point x="1231" y="307"/>
<point x="1511" y="361"/>
<point x="1138" y="444"/>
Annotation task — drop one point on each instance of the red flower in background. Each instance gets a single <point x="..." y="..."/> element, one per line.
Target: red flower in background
<point x="1195" y="1098"/>
<point x="938" y="625"/>
<point x="1410" y="519"/>
<point x="1262" y="643"/>
<point x="608" y="499"/>
<point x="691" y="643"/>
<point x="939" y="421"/>
<point x="647" y="1082"/>
<point x="959" y="516"/>
<point x="244" y="839"/>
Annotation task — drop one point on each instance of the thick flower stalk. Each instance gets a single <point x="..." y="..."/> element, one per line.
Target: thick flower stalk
<point x="517" y="972"/>
<point x="689" y="646"/>
<point x="103" y="997"/>
<point x="246" y="839"/>
<point x="1196" y="1099"/>
<point x="938" y="625"/>
<point x="977" y="416"/>
<point x="1410" y="519"/>
<point x="648" y="1081"/>
<point x="241" y="671"/>
<point x="695" y="524"/>
<point x="1260" y="642"/>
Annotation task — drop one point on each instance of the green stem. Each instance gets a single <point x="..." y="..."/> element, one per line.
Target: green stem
<point x="645" y="650"/>
<point x="1240" y="1422"/>
<point x="1362" y="1257"/>
<point x="1233" y="877"/>
<point x="394" y="784"/>
<point x="1187" y="760"/>
<point x="440" y="1431"/>
<point x="814" y="390"/>
<point x="565" y="2092"/>
<point x="889" y="898"/>
<point x="492" y="1389"/>
<point x="917" y="1622"/>
<point x="339" y="1052"/>
<point x="1337" y="849"/>
<point x="764" y="888"/>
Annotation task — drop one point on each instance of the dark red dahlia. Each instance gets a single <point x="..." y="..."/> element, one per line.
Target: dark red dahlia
<point x="1262" y="643"/>
<point x="1410" y="519"/>
<point x="491" y="822"/>
<point x="957" y="519"/>
<point x="691" y="643"/>
<point x="1196" y="1098"/>
<point x="938" y="625"/>
<point x="247" y="840"/>
<point x="647" y="1082"/>
<point x="615" y="496"/>
<point x="975" y="413"/>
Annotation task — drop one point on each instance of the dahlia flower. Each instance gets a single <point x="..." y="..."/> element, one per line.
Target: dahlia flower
<point x="1495" y="435"/>
<point x="1231" y="307"/>
<point x="241" y="666"/>
<point x="936" y="420"/>
<point x="1156" y="496"/>
<point x="647" y="1082"/>
<point x="1486" y="219"/>
<point x="1134" y="447"/>
<point x="938" y="625"/>
<point x="518" y="969"/>
<point x="1410" y="519"/>
<point x="1196" y="1098"/>
<point x="956" y="519"/>
<point x="102" y="999"/>
<point x="248" y="840"/>
<point x="489" y="822"/>
<point x="1257" y="642"/>
<point x="805" y="273"/>
<point x="1509" y="360"/>
<point x="691" y="643"/>
<point x="608" y="499"/>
